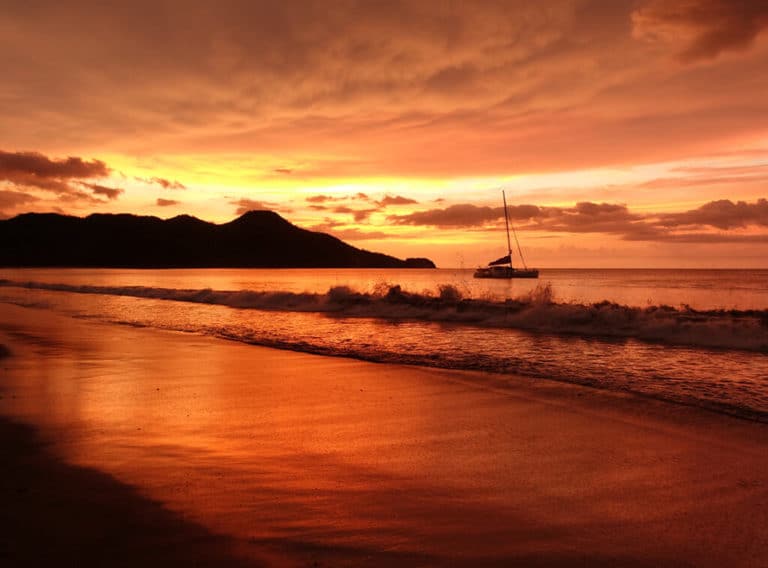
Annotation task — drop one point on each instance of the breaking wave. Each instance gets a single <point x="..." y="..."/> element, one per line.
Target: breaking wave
<point x="537" y="311"/>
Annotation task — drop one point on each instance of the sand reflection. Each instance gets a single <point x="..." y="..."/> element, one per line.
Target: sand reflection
<point x="342" y="460"/>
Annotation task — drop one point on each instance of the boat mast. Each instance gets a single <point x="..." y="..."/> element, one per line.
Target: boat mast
<point x="506" y="223"/>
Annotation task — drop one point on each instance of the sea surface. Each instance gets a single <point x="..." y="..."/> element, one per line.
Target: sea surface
<point x="696" y="337"/>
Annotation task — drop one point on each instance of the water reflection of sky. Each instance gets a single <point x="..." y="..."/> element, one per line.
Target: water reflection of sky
<point x="704" y="289"/>
<point x="734" y="381"/>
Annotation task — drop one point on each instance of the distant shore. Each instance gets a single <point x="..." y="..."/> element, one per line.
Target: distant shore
<point x="133" y="446"/>
<point x="256" y="239"/>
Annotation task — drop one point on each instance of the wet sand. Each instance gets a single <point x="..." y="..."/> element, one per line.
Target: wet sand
<point x="158" y="448"/>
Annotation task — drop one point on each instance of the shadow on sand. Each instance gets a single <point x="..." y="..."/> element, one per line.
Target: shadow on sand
<point x="55" y="514"/>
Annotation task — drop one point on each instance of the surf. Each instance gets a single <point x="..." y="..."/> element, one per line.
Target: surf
<point x="534" y="311"/>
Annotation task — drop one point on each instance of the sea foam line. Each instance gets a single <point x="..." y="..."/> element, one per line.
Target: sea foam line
<point x="536" y="311"/>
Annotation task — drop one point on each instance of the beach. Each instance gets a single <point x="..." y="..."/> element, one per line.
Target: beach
<point x="201" y="448"/>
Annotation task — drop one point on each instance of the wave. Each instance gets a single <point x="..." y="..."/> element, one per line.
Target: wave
<point x="536" y="311"/>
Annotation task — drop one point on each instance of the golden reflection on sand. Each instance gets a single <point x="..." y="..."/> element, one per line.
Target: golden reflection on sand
<point x="301" y="451"/>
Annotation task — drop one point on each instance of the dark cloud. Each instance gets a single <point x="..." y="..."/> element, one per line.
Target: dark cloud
<point x="162" y="182"/>
<point x="321" y="198"/>
<point x="721" y="214"/>
<point x="360" y="196"/>
<point x="609" y="218"/>
<point x="462" y="215"/>
<point x="465" y="215"/>
<point x="396" y="200"/>
<point x="36" y="171"/>
<point x="460" y="88"/>
<point x="357" y="214"/>
<point x="36" y="165"/>
<point x="58" y="186"/>
<point x="166" y="202"/>
<point x="363" y="214"/>
<point x="66" y="178"/>
<point x="11" y="199"/>
<point x="707" y="28"/>
<point x="108" y="192"/>
<point x="684" y="227"/>
<point x="244" y="205"/>
<point x="588" y="217"/>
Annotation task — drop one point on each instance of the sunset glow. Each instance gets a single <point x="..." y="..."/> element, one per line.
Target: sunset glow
<point x="627" y="133"/>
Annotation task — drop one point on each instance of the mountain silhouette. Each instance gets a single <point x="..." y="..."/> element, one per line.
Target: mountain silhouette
<point x="257" y="239"/>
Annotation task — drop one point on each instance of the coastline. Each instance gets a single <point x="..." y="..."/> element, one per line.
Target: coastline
<point x="294" y="458"/>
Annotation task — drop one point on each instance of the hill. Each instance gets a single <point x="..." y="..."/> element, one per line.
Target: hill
<point x="257" y="239"/>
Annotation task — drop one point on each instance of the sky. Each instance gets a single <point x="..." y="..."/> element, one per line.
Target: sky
<point x="624" y="133"/>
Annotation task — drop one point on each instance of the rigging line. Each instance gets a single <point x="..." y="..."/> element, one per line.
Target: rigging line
<point x="506" y="224"/>
<point x="506" y="221"/>
<point x="520" y="252"/>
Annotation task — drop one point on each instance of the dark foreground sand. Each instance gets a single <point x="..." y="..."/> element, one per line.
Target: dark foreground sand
<point x="136" y="447"/>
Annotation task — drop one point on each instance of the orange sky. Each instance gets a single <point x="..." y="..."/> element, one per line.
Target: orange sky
<point x="625" y="133"/>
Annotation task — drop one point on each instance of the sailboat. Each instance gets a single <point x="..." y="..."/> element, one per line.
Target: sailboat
<point x="502" y="267"/>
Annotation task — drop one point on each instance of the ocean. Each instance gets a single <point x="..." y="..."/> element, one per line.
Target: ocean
<point x="694" y="337"/>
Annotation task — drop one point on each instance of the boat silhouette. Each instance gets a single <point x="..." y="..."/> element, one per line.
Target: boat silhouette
<point x="502" y="267"/>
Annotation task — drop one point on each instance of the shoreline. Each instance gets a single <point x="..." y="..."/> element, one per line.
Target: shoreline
<point x="342" y="462"/>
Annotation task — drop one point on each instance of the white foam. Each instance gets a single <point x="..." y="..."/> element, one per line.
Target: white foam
<point x="536" y="311"/>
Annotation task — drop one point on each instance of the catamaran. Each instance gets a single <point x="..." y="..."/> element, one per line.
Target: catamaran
<point x="502" y="267"/>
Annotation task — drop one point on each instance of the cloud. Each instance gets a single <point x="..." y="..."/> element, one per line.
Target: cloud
<point x="396" y="200"/>
<point x="461" y="89"/>
<point x="36" y="165"/>
<point x="108" y="192"/>
<point x="357" y="214"/>
<point x="684" y="227"/>
<point x="65" y="177"/>
<point x="162" y="182"/>
<point x="12" y="199"/>
<point x="166" y="202"/>
<point x="464" y="215"/>
<point x="609" y="218"/>
<point x="33" y="170"/>
<point x="588" y="217"/>
<point x="704" y="28"/>
<point x="244" y="205"/>
<point x="359" y="196"/>
<point x="363" y="214"/>
<point x="321" y="198"/>
<point x="721" y="214"/>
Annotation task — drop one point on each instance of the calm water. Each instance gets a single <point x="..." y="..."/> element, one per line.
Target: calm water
<point x="713" y="357"/>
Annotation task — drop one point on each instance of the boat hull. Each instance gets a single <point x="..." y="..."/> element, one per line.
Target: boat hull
<point x="505" y="272"/>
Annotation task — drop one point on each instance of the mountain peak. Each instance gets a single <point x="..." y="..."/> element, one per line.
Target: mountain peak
<point x="262" y="218"/>
<point x="260" y="239"/>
